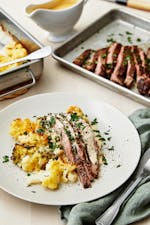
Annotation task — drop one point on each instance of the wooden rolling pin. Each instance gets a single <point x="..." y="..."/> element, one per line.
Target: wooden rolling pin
<point x="137" y="4"/>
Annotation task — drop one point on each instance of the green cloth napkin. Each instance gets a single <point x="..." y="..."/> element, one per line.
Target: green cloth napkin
<point x="135" y="208"/>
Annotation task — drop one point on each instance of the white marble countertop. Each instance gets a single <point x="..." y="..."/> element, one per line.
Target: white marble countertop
<point x="57" y="78"/>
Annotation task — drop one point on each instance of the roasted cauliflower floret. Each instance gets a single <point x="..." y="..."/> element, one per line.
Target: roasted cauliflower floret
<point x="21" y="127"/>
<point x="57" y="172"/>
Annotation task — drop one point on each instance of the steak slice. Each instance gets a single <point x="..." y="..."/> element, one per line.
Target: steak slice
<point x="112" y="55"/>
<point x="130" y="68"/>
<point x="71" y="149"/>
<point x="143" y="57"/>
<point x="81" y="58"/>
<point x="90" y="141"/>
<point x="78" y="147"/>
<point x="118" y="74"/>
<point x="90" y="63"/>
<point x="138" y="62"/>
<point x="143" y="84"/>
<point x="100" y="57"/>
<point x="142" y="71"/>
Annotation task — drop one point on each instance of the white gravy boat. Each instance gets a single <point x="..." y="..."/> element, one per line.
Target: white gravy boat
<point x="59" y="23"/>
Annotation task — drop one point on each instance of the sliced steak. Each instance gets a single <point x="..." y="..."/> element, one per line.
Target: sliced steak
<point x="100" y="57"/>
<point x="90" y="63"/>
<point x="130" y="74"/>
<point x="82" y="174"/>
<point x="120" y="68"/>
<point x="59" y="128"/>
<point x="71" y="148"/>
<point x="143" y="84"/>
<point x="81" y="58"/>
<point x="143" y="57"/>
<point x="142" y="71"/>
<point x="90" y="141"/>
<point x="112" y="55"/>
<point x="78" y="146"/>
<point x="138" y="62"/>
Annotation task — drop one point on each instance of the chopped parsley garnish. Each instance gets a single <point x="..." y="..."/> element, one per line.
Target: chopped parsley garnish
<point x="114" y="55"/>
<point x="100" y="138"/>
<point x="80" y="125"/>
<point x="128" y="57"/>
<point x="104" y="56"/>
<point x="125" y="62"/>
<point x="25" y="133"/>
<point x="138" y="39"/>
<point x="5" y="158"/>
<point x="128" y="33"/>
<point x="52" y="146"/>
<point x="94" y="121"/>
<point x="104" y="160"/>
<point x="52" y="121"/>
<point x="40" y="131"/>
<point x="109" y="138"/>
<point x="71" y="138"/>
<point x="109" y="65"/>
<point x="111" y="148"/>
<point x="110" y="40"/>
<point x="28" y="174"/>
<point x="96" y="131"/>
<point x="74" y="117"/>
<point x="106" y="133"/>
<point x="118" y="166"/>
<point x="129" y="40"/>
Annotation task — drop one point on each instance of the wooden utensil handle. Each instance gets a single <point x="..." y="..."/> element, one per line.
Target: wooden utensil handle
<point x="139" y="4"/>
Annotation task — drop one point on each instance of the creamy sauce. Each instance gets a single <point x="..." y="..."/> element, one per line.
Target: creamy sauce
<point x="63" y="4"/>
<point x="52" y="5"/>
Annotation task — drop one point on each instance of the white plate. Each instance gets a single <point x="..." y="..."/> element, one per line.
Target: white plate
<point x="125" y="139"/>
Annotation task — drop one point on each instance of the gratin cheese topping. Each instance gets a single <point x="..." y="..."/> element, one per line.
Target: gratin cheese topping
<point x="13" y="50"/>
<point x="57" y="148"/>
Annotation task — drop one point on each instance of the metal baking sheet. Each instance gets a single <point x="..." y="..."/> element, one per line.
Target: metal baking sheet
<point x="117" y="25"/>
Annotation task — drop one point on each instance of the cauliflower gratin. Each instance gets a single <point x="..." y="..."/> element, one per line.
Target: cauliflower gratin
<point x="57" y="148"/>
<point x="10" y="52"/>
<point x="12" y="49"/>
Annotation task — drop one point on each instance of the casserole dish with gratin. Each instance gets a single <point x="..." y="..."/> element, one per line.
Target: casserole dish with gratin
<point x="16" y="42"/>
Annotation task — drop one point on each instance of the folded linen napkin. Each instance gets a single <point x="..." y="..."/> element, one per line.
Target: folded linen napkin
<point x="135" y="208"/>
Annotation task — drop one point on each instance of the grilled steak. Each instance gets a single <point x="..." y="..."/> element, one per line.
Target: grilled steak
<point x="79" y="143"/>
<point x="78" y="146"/>
<point x="81" y="59"/>
<point x="120" y="68"/>
<point x="90" y="63"/>
<point x="123" y="65"/>
<point x="88" y="138"/>
<point x="112" y="55"/>
<point x="101" y="62"/>
<point x="142" y="71"/>
<point x="143" y="84"/>
<point x="130" y="68"/>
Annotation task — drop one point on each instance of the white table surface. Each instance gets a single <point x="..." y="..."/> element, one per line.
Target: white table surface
<point x="56" y="78"/>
